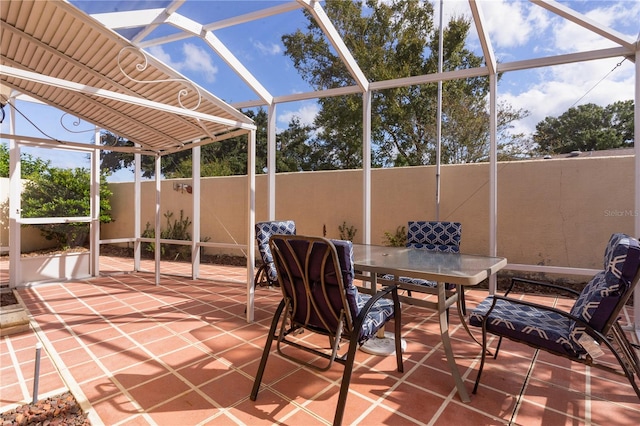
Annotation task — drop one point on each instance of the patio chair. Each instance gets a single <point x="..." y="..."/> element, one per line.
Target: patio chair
<point x="267" y="274"/>
<point x="316" y="278"/>
<point x="434" y="236"/>
<point x="582" y="333"/>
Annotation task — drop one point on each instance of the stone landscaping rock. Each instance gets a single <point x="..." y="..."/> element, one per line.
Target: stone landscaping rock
<point x="59" y="410"/>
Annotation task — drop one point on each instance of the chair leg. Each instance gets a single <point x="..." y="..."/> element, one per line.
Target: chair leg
<point x="484" y="355"/>
<point x="397" y="320"/>
<point x="629" y="351"/>
<point x="463" y="304"/>
<point x="346" y="380"/>
<point x="495" y="356"/>
<point x="267" y="350"/>
<point x="627" y="358"/>
<point x="261" y="275"/>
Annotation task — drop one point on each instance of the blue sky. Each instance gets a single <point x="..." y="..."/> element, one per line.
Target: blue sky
<point x="518" y="30"/>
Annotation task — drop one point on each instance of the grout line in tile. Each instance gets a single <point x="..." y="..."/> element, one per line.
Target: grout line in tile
<point x="232" y="298"/>
<point x="170" y="369"/>
<point x="18" y="372"/>
<point x="64" y="372"/>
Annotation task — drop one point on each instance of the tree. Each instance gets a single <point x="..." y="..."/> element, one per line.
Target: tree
<point x="388" y="40"/>
<point x="587" y="127"/>
<point x="294" y="153"/>
<point x="225" y="158"/>
<point x="393" y="40"/>
<point x="4" y="160"/>
<point x="29" y="165"/>
<point x="57" y="192"/>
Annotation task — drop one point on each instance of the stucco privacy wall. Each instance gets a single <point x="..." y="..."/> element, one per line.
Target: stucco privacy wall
<point x="557" y="212"/>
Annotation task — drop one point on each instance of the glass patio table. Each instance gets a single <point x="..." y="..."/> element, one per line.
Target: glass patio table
<point x="455" y="268"/>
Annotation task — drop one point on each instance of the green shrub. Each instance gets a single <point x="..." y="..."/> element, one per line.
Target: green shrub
<point x="347" y="233"/>
<point x="399" y="239"/>
<point x="57" y="192"/>
<point x="176" y="230"/>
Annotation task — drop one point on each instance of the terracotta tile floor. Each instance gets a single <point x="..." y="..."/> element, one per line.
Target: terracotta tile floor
<point x="181" y="353"/>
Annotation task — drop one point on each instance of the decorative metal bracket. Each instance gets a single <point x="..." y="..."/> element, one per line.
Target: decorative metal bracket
<point x="75" y="123"/>
<point x="144" y="63"/>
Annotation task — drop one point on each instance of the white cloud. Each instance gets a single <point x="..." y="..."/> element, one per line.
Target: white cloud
<point x="551" y="91"/>
<point x="569" y="37"/>
<point x="195" y="59"/>
<point x="511" y="24"/>
<point x="163" y="56"/>
<point x="556" y="89"/>
<point x="617" y="14"/>
<point x="270" y="49"/>
<point x="306" y="114"/>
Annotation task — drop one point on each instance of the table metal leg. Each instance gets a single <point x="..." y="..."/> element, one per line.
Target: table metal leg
<point x="446" y="343"/>
<point x="384" y="343"/>
<point x="463" y="319"/>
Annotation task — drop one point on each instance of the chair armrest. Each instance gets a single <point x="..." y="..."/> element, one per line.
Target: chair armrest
<point x="393" y="289"/>
<point x="588" y="328"/>
<point x="540" y="284"/>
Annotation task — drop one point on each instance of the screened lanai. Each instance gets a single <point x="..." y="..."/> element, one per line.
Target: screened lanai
<point x="134" y="27"/>
<point x="95" y="75"/>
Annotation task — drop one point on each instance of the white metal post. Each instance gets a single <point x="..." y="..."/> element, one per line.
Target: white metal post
<point x="157" y="226"/>
<point x="636" y="123"/>
<point x="94" y="225"/>
<point x="366" y="166"/>
<point x="439" y="111"/>
<point x="137" y="215"/>
<point x="15" y="188"/>
<point x="271" y="163"/>
<point x="493" y="175"/>
<point x="251" y="220"/>
<point x="195" y="192"/>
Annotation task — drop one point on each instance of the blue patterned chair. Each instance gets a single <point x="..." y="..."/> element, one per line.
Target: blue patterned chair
<point x="316" y="278"/>
<point x="434" y="236"/>
<point x="582" y="333"/>
<point x="267" y="274"/>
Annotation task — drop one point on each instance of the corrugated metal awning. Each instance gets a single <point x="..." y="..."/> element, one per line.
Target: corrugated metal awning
<point x="57" y="54"/>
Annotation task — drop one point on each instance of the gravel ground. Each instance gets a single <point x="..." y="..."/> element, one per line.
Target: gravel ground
<point x="7" y="298"/>
<point x="54" y="411"/>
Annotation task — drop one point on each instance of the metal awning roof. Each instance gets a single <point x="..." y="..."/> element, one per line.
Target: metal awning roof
<point x="59" y="55"/>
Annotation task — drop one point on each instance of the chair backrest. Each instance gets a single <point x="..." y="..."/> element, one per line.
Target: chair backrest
<point x="435" y="236"/>
<point x="316" y="275"/>
<point x="604" y="296"/>
<point x="264" y="231"/>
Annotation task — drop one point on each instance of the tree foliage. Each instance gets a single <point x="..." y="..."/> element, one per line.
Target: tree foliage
<point x="294" y="152"/>
<point x="388" y="40"/>
<point x="393" y="40"/>
<point x="587" y="127"/>
<point x="29" y="165"/>
<point x="224" y="158"/>
<point x="58" y="192"/>
<point x="227" y="157"/>
<point x="4" y="160"/>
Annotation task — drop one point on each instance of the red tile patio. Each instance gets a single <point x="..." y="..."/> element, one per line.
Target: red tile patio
<point x="181" y="353"/>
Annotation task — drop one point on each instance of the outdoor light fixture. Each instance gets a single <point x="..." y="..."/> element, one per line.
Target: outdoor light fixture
<point x="182" y="187"/>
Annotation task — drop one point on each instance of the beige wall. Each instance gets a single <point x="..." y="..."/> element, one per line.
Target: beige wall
<point x="556" y="212"/>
